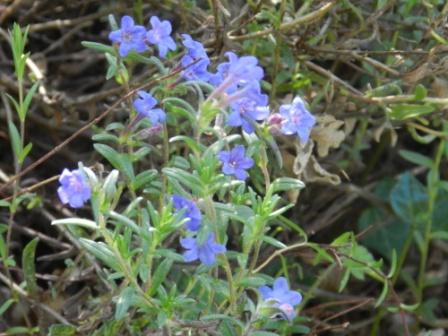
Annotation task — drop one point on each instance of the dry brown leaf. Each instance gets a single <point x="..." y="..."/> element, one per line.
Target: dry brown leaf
<point x="315" y="173"/>
<point x="308" y="169"/>
<point x="386" y="126"/>
<point x="303" y="155"/>
<point x="327" y="134"/>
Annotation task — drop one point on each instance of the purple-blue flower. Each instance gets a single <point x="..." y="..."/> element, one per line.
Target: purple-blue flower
<point x="144" y="106"/>
<point x="297" y="119"/>
<point x="195" y="52"/>
<point x="281" y="297"/>
<point x="160" y="35"/>
<point x="192" y="212"/>
<point x="205" y="252"/>
<point x="238" y="71"/>
<point x="75" y="189"/>
<point x="129" y="37"/>
<point x="251" y="107"/>
<point x="235" y="162"/>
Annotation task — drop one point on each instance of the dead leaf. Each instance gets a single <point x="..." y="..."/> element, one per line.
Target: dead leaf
<point x="315" y="173"/>
<point x="307" y="168"/>
<point x="303" y="155"/>
<point x="327" y="134"/>
<point x="386" y="126"/>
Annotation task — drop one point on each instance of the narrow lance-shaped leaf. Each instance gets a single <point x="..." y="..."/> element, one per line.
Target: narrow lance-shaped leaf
<point x="29" y="269"/>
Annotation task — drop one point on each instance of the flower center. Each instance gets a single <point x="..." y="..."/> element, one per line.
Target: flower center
<point x="126" y="36"/>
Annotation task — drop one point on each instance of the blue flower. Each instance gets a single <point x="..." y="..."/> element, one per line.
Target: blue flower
<point x="129" y="37"/>
<point x="75" y="189"/>
<point x="235" y="162"/>
<point x="297" y="119"/>
<point x="195" y="51"/>
<point x="251" y="107"/>
<point x="144" y="106"/>
<point x="205" y="252"/>
<point x="192" y="212"/>
<point x="160" y="35"/>
<point x="281" y="297"/>
<point x="238" y="71"/>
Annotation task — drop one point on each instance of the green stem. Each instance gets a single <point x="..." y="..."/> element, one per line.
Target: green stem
<point x="433" y="178"/>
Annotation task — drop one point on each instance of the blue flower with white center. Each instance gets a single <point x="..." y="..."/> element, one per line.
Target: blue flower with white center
<point x="129" y="36"/>
<point x="205" y="252"/>
<point x="75" y="189"/>
<point x="248" y="105"/>
<point x="144" y="106"/>
<point x="281" y="297"/>
<point x="195" y="53"/>
<point x="192" y="212"/>
<point x="160" y="35"/>
<point x="297" y="119"/>
<point x="235" y="162"/>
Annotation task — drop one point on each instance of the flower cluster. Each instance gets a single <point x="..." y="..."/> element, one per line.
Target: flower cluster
<point x="237" y="93"/>
<point x="204" y="251"/>
<point x="132" y="37"/>
<point x="237" y="81"/>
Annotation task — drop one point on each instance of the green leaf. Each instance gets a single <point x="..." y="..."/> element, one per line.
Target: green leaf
<point x="102" y="252"/>
<point x="263" y="333"/>
<point x="119" y="161"/>
<point x="252" y="281"/>
<point x="99" y="46"/>
<point x="124" y="220"/>
<point x="125" y="301"/>
<point x="144" y="179"/>
<point x="87" y="223"/>
<point x="61" y="330"/>
<point x="25" y="152"/>
<point x="383" y="294"/>
<point x="192" y="144"/>
<point x="187" y="179"/>
<point x="15" y="139"/>
<point x="136" y="57"/>
<point x="112" y="68"/>
<point x="27" y="101"/>
<point x="29" y="269"/>
<point x="286" y="183"/>
<point x="4" y="307"/>
<point x="420" y="92"/>
<point x="408" y="111"/>
<point x="409" y="199"/>
<point x="393" y="264"/>
<point x="440" y="235"/>
<point x="386" y="232"/>
<point x="160" y="274"/>
<point x="274" y="242"/>
<point x="22" y="331"/>
<point x="416" y="158"/>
